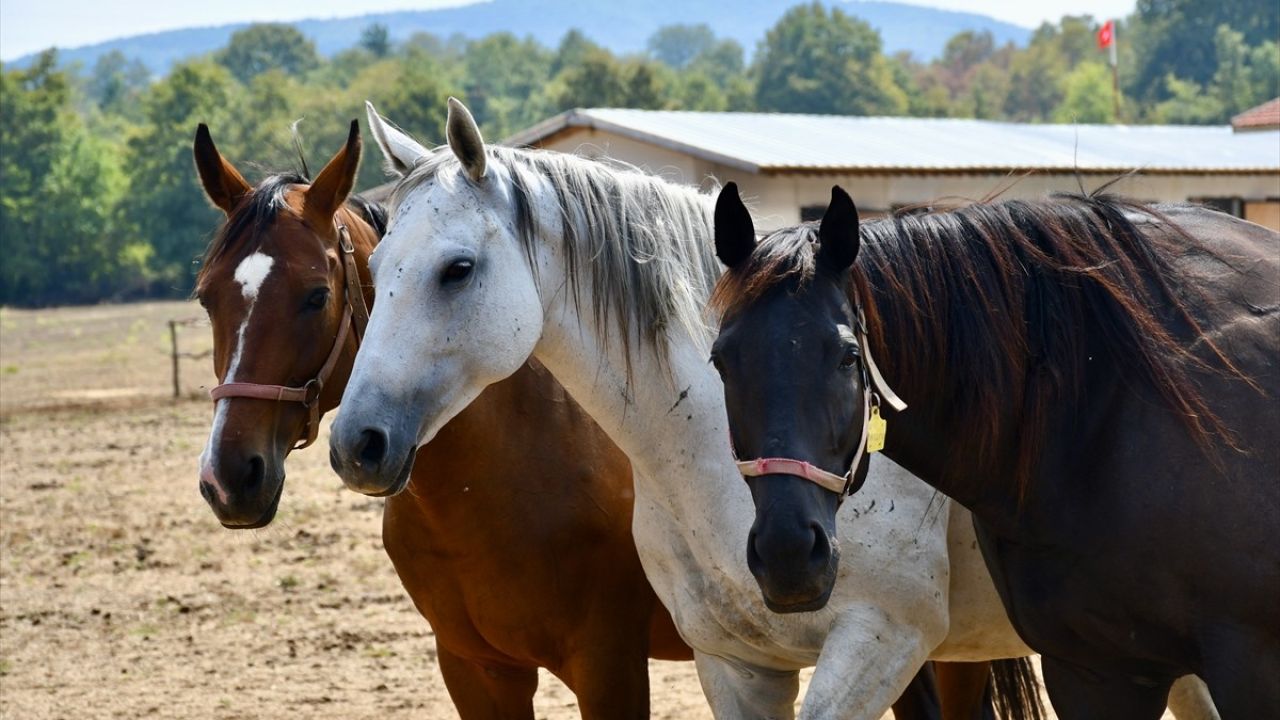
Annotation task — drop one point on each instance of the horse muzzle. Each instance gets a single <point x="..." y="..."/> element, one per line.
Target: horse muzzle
<point x="243" y="491"/>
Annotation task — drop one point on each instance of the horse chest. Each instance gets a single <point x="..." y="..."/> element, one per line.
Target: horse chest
<point x="1075" y="608"/>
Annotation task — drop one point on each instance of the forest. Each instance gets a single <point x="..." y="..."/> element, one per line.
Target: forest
<point x="100" y="201"/>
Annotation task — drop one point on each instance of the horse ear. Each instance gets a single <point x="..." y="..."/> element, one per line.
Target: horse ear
<point x="224" y="185"/>
<point x="465" y="140"/>
<point x="332" y="186"/>
<point x="838" y="233"/>
<point x="734" y="233"/>
<point x="400" y="151"/>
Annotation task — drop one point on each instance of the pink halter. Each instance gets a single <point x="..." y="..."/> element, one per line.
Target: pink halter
<point x="309" y="393"/>
<point x="872" y="381"/>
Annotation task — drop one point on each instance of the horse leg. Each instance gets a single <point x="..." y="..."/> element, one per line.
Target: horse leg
<point x="867" y="661"/>
<point x="487" y="692"/>
<point x="611" y="681"/>
<point x="964" y="689"/>
<point x="1189" y="700"/>
<point x="1242" y="670"/>
<point x="737" y="690"/>
<point x="1078" y="693"/>
<point x="920" y="701"/>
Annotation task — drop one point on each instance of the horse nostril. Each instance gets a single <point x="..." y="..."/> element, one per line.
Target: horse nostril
<point x="372" y="447"/>
<point x="754" y="562"/>
<point x="821" y="551"/>
<point x="254" y="474"/>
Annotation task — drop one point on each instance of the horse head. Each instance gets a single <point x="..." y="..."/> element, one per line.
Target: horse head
<point x="796" y="387"/>
<point x="281" y="284"/>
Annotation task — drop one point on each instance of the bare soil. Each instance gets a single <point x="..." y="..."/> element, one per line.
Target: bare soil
<point x="122" y="597"/>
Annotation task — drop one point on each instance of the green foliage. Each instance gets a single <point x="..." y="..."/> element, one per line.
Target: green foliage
<point x="505" y="77"/>
<point x="1087" y="97"/>
<point x="679" y="45"/>
<point x="1188" y="104"/>
<point x="57" y="200"/>
<point x="376" y="40"/>
<point x="268" y="46"/>
<point x="1180" y="37"/>
<point x="820" y="61"/>
<point x="99" y="192"/>
<point x="165" y="203"/>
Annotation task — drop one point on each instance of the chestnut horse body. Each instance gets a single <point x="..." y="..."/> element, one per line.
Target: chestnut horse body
<point x="514" y="537"/>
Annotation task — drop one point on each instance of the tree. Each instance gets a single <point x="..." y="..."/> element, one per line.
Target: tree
<point x="1179" y="37"/>
<point x="1188" y="104"/>
<point x="58" y="198"/>
<point x="504" y="76"/>
<point x="817" y="61"/>
<point x="573" y="50"/>
<point x="646" y="88"/>
<point x="267" y="46"/>
<point x="1087" y="96"/>
<point x="116" y="82"/>
<point x="166" y="204"/>
<point x="596" y="81"/>
<point x="678" y="45"/>
<point x="1035" y="82"/>
<point x="376" y="39"/>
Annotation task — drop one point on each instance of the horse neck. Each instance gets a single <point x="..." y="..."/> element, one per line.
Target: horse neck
<point x="964" y="457"/>
<point x="669" y="418"/>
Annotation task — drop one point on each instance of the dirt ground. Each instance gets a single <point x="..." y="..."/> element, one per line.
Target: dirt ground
<point x="120" y="594"/>
<point x="122" y="597"/>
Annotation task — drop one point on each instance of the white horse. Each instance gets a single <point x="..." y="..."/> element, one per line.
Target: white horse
<point x="494" y="255"/>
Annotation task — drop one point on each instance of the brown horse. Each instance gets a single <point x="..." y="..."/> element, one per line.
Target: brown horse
<point x="515" y="546"/>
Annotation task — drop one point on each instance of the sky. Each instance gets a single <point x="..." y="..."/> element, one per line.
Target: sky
<point x="30" y="25"/>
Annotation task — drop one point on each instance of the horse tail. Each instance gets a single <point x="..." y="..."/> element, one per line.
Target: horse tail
<point x="1016" y="690"/>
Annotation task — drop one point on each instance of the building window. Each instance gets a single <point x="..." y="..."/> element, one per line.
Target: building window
<point x="812" y="213"/>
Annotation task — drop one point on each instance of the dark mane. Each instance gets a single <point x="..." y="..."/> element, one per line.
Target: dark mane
<point x="245" y="228"/>
<point x="997" y="303"/>
<point x="371" y="212"/>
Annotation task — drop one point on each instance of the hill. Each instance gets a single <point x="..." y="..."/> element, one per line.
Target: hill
<point x="622" y="27"/>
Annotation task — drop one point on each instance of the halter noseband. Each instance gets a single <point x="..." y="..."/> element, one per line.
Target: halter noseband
<point x="309" y="393"/>
<point x="872" y="381"/>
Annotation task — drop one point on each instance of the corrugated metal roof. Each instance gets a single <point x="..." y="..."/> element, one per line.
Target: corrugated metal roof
<point x="771" y="143"/>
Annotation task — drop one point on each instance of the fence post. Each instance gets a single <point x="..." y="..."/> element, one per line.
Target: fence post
<point x="173" y="342"/>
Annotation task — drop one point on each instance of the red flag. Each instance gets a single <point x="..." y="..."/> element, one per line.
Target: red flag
<point x="1107" y="34"/>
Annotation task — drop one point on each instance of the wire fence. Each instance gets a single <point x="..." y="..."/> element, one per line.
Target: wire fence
<point x="176" y="353"/>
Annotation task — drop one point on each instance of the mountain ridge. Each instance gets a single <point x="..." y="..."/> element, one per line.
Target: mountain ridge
<point x="623" y="27"/>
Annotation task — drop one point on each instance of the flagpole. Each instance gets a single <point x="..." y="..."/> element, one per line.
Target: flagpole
<point x="1115" y="71"/>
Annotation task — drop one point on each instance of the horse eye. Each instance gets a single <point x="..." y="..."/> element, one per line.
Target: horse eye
<point x="719" y="366"/>
<point x="318" y="298"/>
<point x="457" y="271"/>
<point x="849" y="360"/>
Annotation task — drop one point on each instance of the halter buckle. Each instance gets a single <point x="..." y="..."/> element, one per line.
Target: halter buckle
<point x="311" y="392"/>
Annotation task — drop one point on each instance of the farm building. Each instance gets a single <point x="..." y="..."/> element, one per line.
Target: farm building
<point x="786" y="164"/>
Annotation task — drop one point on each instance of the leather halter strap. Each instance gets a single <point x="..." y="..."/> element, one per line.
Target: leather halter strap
<point x="355" y="313"/>
<point x="873" y="387"/>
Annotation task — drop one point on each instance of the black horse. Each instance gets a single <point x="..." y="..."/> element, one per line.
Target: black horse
<point x="1095" y="379"/>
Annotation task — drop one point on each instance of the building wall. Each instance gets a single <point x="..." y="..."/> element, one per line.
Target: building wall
<point x="1264" y="212"/>
<point x="776" y="200"/>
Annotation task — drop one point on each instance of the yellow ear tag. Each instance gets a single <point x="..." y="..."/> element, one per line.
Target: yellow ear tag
<point x="876" y="429"/>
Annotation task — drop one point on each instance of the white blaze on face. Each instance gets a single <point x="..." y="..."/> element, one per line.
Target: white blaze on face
<point x="250" y="274"/>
